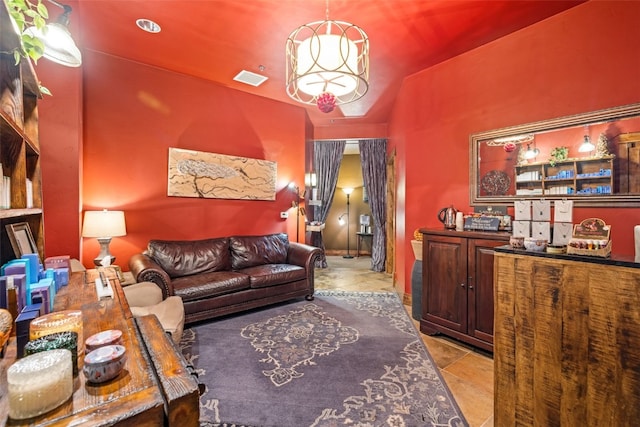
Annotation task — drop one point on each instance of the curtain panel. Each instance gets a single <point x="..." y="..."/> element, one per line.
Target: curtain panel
<point x="327" y="158"/>
<point x="374" y="173"/>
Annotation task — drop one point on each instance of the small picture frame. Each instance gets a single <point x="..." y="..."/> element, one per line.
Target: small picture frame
<point x="21" y="239"/>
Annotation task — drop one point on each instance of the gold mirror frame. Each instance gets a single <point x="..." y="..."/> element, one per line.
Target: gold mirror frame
<point x="591" y="118"/>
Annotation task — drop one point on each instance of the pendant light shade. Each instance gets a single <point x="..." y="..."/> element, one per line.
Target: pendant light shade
<point x="327" y="61"/>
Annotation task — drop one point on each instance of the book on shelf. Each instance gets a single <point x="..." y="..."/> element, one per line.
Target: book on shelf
<point x="29" y="186"/>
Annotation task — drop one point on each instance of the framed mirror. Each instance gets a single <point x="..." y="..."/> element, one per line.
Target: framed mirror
<point x="591" y="158"/>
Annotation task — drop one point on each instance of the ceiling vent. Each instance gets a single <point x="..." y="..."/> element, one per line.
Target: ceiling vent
<point x="250" y="78"/>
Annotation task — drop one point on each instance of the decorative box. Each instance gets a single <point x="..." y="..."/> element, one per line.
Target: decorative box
<point x="39" y="383"/>
<point x="108" y="337"/>
<point x="68" y="340"/>
<point x="590" y="238"/>
<point x="59" y="321"/>
<point x="104" y="363"/>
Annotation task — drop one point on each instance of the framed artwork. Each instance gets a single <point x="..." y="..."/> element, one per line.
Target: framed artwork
<point x="208" y="175"/>
<point x="21" y="239"/>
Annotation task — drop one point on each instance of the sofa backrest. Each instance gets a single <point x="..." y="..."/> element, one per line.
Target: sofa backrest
<point x="250" y="251"/>
<point x="185" y="257"/>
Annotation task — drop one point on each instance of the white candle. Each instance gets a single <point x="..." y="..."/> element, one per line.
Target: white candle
<point x="39" y="383"/>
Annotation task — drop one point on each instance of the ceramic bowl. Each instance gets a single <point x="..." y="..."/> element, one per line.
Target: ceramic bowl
<point x="516" y="242"/>
<point x="108" y="337"/>
<point x="535" y="245"/>
<point x="104" y="363"/>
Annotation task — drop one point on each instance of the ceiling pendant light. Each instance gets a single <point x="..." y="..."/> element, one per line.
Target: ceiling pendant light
<point x="59" y="46"/>
<point x="327" y="63"/>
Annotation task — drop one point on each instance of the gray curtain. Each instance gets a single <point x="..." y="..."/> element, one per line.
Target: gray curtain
<point x="373" y="154"/>
<point x="326" y="160"/>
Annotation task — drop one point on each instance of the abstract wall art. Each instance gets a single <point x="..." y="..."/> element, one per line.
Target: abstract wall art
<point x="217" y="176"/>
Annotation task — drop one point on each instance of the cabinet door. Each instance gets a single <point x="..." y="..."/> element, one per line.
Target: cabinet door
<point x="480" y="283"/>
<point x="445" y="288"/>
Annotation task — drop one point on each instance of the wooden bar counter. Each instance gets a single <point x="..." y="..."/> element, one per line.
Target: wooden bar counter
<point x="155" y="388"/>
<point x="566" y="340"/>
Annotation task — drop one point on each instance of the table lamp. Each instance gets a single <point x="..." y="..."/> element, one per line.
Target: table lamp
<point x="104" y="225"/>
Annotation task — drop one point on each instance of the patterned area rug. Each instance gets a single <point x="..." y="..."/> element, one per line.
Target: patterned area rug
<point x="343" y="359"/>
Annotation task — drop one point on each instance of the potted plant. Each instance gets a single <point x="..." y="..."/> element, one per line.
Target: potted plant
<point x="558" y="154"/>
<point x="27" y="13"/>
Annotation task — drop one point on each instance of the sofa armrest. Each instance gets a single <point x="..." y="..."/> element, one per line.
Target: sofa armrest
<point x="304" y="256"/>
<point x="145" y="269"/>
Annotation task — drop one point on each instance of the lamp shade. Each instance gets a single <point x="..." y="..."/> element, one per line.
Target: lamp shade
<point x="104" y="224"/>
<point x="327" y="57"/>
<point x="347" y="190"/>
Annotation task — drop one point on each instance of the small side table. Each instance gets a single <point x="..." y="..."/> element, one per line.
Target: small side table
<point x="361" y="237"/>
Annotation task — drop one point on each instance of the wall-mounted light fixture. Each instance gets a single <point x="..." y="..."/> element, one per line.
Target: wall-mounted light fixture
<point x="586" y="146"/>
<point x="59" y="46"/>
<point x="531" y="153"/>
<point x="296" y="205"/>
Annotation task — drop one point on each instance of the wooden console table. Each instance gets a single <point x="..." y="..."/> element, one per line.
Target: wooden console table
<point x="566" y="340"/>
<point x="155" y="388"/>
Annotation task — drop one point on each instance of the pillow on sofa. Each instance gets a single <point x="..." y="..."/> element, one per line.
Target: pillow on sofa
<point x="249" y="251"/>
<point x="185" y="257"/>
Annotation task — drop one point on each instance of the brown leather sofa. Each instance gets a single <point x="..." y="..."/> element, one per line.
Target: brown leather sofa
<point x="220" y="276"/>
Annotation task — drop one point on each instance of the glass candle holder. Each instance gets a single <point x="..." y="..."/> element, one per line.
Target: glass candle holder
<point x="59" y="321"/>
<point x="39" y="383"/>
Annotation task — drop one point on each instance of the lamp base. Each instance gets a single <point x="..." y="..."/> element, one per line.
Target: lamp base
<point x="347" y="256"/>
<point x="98" y="261"/>
<point x="104" y="252"/>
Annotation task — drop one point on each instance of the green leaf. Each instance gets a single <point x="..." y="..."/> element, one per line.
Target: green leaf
<point x="45" y="91"/>
<point x="42" y="10"/>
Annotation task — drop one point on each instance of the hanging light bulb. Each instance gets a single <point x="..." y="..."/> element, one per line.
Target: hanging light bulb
<point x="531" y="153"/>
<point x="586" y="146"/>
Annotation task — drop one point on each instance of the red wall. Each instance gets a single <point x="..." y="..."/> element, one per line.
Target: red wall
<point x="133" y="114"/>
<point x="582" y="60"/>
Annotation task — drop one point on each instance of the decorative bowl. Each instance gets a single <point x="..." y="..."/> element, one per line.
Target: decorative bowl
<point x="104" y="363"/>
<point x="535" y="245"/>
<point x="516" y="242"/>
<point x="108" y="337"/>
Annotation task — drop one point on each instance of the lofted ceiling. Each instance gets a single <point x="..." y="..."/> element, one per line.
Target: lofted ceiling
<point x="216" y="39"/>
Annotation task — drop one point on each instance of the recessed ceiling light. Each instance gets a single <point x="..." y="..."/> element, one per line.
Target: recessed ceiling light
<point x="148" y="25"/>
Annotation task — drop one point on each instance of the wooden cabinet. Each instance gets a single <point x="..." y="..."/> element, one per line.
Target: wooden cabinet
<point x="583" y="176"/>
<point x="567" y="340"/>
<point x="457" y="284"/>
<point x="19" y="146"/>
<point x="628" y="162"/>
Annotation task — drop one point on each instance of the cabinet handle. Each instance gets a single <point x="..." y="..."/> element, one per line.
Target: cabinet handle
<point x="462" y="285"/>
<point x="469" y="280"/>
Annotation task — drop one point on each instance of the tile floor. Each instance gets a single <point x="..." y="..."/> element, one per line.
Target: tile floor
<point x="468" y="372"/>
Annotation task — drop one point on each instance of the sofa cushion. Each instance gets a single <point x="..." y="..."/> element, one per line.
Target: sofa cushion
<point x="249" y="251"/>
<point x="209" y="285"/>
<point x="186" y="257"/>
<point x="263" y="276"/>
